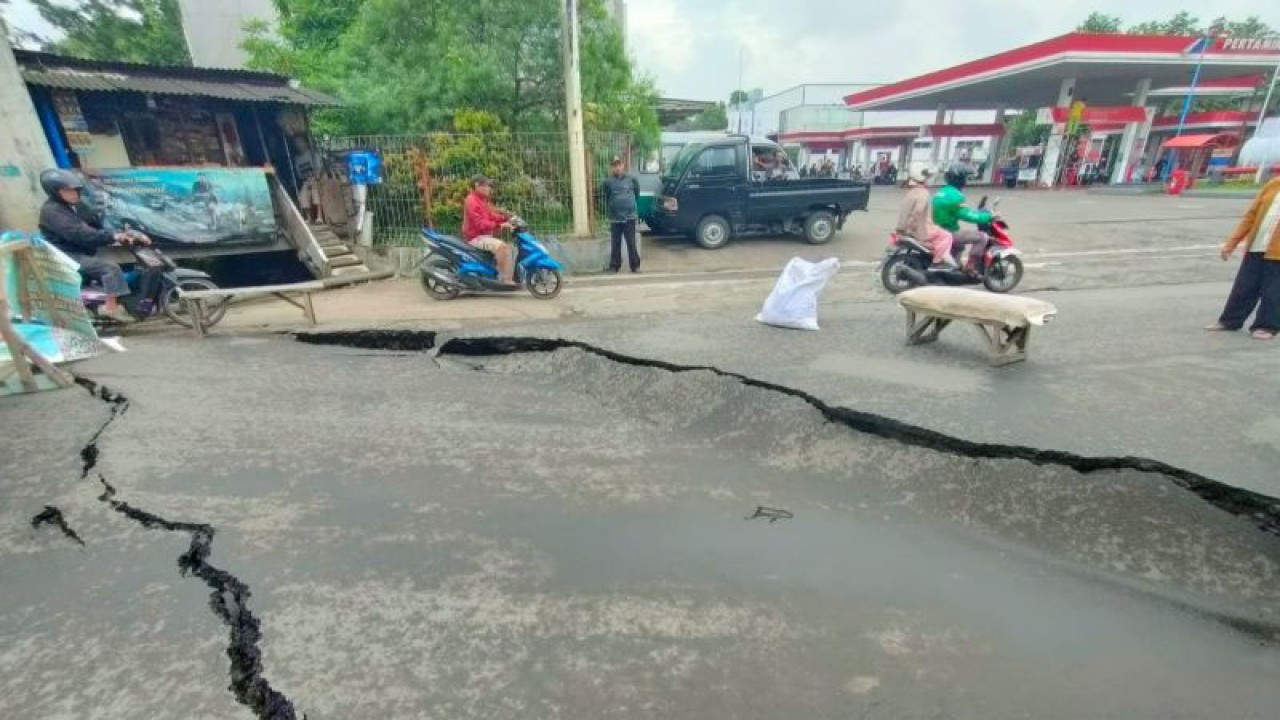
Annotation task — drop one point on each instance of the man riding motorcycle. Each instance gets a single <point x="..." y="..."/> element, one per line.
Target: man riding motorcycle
<point x="949" y="210"/>
<point x="65" y="228"/>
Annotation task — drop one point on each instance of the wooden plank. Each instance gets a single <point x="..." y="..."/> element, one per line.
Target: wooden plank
<point x="60" y="377"/>
<point x="13" y="246"/>
<point x="311" y="309"/>
<point x="312" y="286"/>
<point x="15" y="343"/>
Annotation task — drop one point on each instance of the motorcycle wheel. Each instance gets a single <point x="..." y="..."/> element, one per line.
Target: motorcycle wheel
<point x="435" y="288"/>
<point x="1004" y="274"/>
<point x="893" y="279"/>
<point x="172" y="307"/>
<point x="544" y="283"/>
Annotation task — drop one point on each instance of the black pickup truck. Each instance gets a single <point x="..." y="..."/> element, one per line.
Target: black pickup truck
<point x="720" y="188"/>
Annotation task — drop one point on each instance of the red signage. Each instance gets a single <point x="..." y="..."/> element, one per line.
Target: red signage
<point x="1096" y="114"/>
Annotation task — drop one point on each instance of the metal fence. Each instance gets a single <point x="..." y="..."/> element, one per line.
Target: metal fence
<point x="427" y="177"/>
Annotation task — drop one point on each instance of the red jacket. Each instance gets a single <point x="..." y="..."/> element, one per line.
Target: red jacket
<point x="479" y="218"/>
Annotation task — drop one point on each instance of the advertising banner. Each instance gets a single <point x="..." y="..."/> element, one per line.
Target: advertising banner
<point x="187" y="206"/>
<point x="44" y="284"/>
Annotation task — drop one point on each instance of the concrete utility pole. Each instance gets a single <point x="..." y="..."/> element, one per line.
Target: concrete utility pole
<point x="1262" y="117"/>
<point x="573" y="119"/>
<point x="24" y="151"/>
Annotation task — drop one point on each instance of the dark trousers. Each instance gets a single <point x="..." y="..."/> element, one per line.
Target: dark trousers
<point x="617" y="231"/>
<point x="1257" y="286"/>
<point x="105" y="272"/>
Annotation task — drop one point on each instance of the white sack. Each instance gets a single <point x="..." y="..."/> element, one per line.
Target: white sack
<point x="794" y="300"/>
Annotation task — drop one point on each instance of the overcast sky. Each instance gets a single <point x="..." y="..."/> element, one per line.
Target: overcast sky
<point x="691" y="47"/>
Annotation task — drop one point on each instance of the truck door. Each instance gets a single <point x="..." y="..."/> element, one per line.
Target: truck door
<point x="715" y="184"/>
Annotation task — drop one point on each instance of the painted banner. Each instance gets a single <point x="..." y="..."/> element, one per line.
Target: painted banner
<point x="48" y="294"/>
<point x="187" y="206"/>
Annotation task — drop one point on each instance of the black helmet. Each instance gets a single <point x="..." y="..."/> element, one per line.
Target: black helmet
<point x="957" y="178"/>
<point x="53" y="180"/>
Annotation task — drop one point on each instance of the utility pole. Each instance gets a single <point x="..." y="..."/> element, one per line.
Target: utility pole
<point x="1262" y="116"/>
<point x="573" y="119"/>
<point x="24" y="151"/>
<point x="741" y="60"/>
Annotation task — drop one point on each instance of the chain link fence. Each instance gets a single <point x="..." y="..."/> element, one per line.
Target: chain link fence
<point x="427" y="177"/>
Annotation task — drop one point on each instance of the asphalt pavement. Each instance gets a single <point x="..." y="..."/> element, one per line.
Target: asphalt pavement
<point x="250" y="526"/>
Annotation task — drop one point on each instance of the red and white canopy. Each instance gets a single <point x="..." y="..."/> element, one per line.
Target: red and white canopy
<point x="1106" y="68"/>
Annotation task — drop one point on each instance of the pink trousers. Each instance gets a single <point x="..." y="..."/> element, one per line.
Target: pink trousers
<point x="940" y="241"/>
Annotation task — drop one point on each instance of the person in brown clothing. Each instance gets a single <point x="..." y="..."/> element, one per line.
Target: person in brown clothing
<point x="915" y="219"/>
<point x="1258" y="282"/>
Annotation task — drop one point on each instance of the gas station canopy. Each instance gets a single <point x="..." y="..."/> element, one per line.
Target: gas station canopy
<point x="1106" y="69"/>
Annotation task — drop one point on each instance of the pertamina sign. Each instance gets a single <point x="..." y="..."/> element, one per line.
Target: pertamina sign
<point x="1246" y="46"/>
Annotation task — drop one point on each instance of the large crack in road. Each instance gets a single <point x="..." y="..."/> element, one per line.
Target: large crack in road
<point x="230" y="596"/>
<point x="1259" y="509"/>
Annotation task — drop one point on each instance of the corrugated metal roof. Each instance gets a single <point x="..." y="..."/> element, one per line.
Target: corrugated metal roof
<point x="75" y="78"/>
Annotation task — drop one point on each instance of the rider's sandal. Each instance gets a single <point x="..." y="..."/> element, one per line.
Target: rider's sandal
<point x="1263" y="335"/>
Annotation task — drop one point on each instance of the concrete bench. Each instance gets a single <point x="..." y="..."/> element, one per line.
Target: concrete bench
<point x="1005" y="321"/>
<point x="193" y="301"/>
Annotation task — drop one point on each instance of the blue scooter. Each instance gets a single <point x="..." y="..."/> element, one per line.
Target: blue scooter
<point x="453" y="267"/>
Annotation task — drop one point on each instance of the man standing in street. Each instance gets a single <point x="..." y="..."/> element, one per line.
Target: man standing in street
<point x="621" y="195"/>
<point x="1258" y="281"/>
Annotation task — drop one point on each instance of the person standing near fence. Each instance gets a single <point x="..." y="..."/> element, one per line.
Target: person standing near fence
<point x="621" y="195"/>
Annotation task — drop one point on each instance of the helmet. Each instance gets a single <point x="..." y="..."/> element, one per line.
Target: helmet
<point x="957" y="178"/>
<point x="53" y="180"/>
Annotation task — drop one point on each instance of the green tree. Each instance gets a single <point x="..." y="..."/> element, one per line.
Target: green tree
<point x="714" y="119"/>
<point x="739" y="97"/>
<point x="1023" y="130"/>
<point x="1099" y="22"/>
<point x="1184" y="23"/>
<point x="142" y="31"/>
<point x="409" y="65"/>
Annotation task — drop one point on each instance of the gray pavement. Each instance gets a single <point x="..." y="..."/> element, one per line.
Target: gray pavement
<point x="562" y="535"/>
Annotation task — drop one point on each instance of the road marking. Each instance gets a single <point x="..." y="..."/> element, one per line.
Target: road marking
<point x="1124" y="251"/>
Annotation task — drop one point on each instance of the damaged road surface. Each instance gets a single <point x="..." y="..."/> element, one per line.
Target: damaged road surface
<point x="522" y="529"/>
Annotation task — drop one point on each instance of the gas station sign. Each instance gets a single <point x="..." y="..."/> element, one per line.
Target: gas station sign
<point x="1246" y="46"/>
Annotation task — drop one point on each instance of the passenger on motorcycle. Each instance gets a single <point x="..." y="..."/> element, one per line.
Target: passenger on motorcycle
<point x="949" y="210"/>
<point x="915" y="219"/>
<point x="480" y="220"/>
<point x="79" y="237"/>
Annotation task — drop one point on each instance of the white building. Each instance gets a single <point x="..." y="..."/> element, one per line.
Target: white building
<point x="215" y="29"/>
<point x="815" y="119"/>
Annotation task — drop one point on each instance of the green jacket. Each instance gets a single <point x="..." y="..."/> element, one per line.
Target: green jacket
<point x="949" y="209"/>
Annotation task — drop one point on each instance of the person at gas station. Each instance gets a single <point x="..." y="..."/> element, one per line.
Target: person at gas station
<point x="1257" y="283"/>
<point x="915" y="219"/>
<point x="949" y="210"/>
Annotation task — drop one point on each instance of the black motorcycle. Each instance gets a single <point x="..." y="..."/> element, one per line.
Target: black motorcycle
<point x="163" y="297"/>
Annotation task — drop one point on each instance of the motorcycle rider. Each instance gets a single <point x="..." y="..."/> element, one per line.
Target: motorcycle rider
<point x="65" y="228"/>
<point x="949" y="210"/>
<point x="915" y="219"/>
<point x="480" y="220"/>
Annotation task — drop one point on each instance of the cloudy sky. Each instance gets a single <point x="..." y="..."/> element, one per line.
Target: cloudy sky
<point x="691" y="46"/>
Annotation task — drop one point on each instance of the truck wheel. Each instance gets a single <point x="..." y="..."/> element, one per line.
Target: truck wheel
<point x="713" y="232"/>
<point x="819" y="228"/>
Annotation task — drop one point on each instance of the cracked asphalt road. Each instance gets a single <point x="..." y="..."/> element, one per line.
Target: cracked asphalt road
<point x="557" y="535"/>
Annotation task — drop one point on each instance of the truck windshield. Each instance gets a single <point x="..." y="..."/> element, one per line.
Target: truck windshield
<point x="681" y="163"/>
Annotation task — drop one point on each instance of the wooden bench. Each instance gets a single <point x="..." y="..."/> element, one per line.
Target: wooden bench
<point x="1005" y="321"/>
<point x="193" y="301"/>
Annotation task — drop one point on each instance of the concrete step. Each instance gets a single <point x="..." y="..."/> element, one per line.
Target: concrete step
<point x="331" y="250"/>
<point x="360" y="269"/>
<point x="344" y="261"/>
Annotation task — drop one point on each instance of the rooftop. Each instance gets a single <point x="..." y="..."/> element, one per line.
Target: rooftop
<point x="68" y="73"/>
